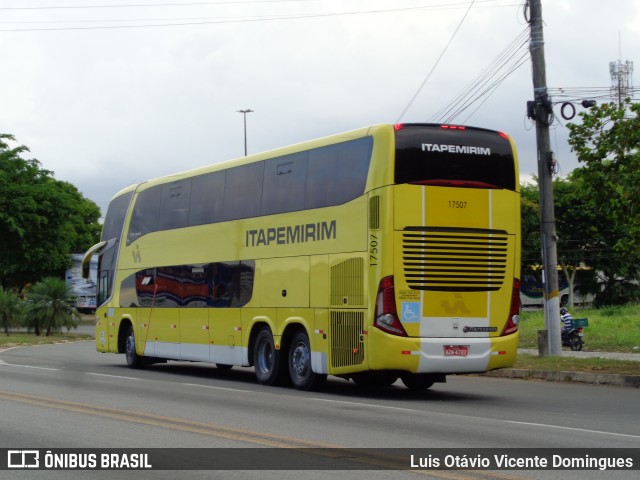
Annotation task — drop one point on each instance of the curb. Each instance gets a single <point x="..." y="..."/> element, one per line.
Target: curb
<point x="567" y="376"/>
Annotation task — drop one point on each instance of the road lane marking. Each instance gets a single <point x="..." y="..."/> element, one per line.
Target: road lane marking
<point x="162" y="421"/>
<point x="113" y="376"/>
<point x="213" y="387"/>
<point x="248" y="436"/>
<point x="344" y="402"/>
<point x="583" y="430"/>
<point x="5" y="364"/>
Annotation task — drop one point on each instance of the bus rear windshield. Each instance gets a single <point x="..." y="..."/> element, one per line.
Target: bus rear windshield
<point x="464" y="157"/>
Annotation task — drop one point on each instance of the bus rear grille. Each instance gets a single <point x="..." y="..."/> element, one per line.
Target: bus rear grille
<point x="347" y="283"/>
<point x="346" y="332"/>
<point x="454" y="260"/>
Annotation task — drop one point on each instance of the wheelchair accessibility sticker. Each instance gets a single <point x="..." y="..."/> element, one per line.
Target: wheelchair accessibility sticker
<point x="411" y="312"/>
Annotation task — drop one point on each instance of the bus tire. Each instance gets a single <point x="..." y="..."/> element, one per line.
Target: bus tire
<point x="266" y="358"/>
<point x="133" y="359"/>
<point x="417" y="381"/>
<point x="299" y="362"/>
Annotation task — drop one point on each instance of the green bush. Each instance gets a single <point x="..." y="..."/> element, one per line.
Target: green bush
<point x="51" y="306"/>
<point x="10" y="310"/>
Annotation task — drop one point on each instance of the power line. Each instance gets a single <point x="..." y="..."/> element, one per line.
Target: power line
<point x="487" y="73"/>
<point x="216" y="20"/>
<point x="487" y="81"/>
<point x="143" y="5"/>
<point x="577" y="94"/>
<point x="451" y="4"/>
<point x="426" y="79"/>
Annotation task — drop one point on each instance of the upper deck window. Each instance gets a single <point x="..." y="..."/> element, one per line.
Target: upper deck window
<point x="114" y="219"/>
<point x="320" y="177"/>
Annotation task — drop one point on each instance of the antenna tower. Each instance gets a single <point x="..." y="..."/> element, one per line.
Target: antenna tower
<point x="621" y="73"/>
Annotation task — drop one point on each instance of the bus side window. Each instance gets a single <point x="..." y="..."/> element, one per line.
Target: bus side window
<point x="243" y="191"/>
<point x="232" y="283"/>
<point x="103" y="286"/>
<point x="145" y="287"/>
<point x="207" y="198"/>
<point x="338" y="173"/>
<point x="284" y="184"/>
<point x="174" y="205"/>
<point x="145" y="214"/>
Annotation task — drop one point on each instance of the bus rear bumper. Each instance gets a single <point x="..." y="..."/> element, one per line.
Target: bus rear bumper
<point x="441" y="355"/>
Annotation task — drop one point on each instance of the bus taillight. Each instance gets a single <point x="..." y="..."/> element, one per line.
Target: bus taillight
<point x="386" y="316"/>
<point x="514" y="312"/>
<point x="453" y="127"/>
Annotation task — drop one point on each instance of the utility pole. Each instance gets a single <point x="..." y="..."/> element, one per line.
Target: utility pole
<point x="541" y="111"/>
<point x="244" y="114"/>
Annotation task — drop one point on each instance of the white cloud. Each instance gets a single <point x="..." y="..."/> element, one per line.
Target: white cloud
<point x="104" y="108"/>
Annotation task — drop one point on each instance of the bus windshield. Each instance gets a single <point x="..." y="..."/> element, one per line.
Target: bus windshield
<point x="463" y="157"/>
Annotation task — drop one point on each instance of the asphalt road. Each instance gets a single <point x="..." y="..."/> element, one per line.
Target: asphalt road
<point x="69" y="396"/>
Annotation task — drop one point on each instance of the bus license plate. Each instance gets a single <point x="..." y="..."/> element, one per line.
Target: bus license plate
<point x="456" y="350"/>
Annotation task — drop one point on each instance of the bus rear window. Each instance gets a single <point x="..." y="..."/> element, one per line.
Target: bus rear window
<point x="470" y="157"/>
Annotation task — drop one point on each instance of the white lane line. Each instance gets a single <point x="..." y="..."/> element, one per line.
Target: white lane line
<point x="5" y="364"/>
<point x="343" y="402"/>
<point x="584" y="430"/>
<point x="425" y="412"/>
<point x="112" y="376"/>
<point x="212" y="387"/>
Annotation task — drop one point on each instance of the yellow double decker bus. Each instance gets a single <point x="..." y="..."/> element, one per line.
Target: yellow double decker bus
<point x="387" y="252"/>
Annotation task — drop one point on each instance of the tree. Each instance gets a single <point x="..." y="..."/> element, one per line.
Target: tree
<point x="42" y="220"/>
<point x="607" y="142"/>
<point x="10" y="310"/>
<point x="573" y="227"/>
<point x="51" y="306"/>
<point x="530" y="213"/>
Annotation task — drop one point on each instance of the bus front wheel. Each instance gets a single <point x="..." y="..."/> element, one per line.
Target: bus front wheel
<point x="266" y="358"/>
<point x="133" y="359"/>
<point x="299" y="359"/>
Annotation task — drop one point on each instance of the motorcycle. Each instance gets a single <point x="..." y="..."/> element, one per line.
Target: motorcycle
<point x="573" y="339"/>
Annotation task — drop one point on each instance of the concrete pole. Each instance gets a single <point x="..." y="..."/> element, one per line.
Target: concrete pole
<point x="543" y="115"/>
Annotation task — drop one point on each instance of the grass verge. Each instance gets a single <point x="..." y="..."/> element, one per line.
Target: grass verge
<point x="612" y="329"/>
<point x="22" y="339"/>
<point x="572" y="364"/>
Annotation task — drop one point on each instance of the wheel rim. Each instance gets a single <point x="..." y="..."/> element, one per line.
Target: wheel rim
<point x="130" y="347"/>
<point x="300" y="360"/>
<point x="265" y="357"/>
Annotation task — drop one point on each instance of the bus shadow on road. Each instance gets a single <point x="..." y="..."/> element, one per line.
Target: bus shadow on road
<point x="241" y="377"/>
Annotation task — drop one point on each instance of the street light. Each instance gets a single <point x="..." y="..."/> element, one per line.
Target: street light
<point x="244" y="115"/>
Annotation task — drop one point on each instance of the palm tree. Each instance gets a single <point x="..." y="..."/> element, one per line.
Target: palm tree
<point x="10" y="310"/>
<point x="51" y="305"/>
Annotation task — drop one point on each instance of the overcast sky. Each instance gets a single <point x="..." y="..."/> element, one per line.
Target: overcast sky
<point x="104" y="102"/>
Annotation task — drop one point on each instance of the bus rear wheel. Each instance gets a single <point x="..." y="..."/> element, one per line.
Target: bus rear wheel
<point x="299" y="360"/>
<point x="133" y="359"/>
<point x="266" y="359"/>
